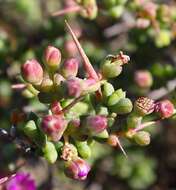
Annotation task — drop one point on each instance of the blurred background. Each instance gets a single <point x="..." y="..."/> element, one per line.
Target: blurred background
<point x="27" y="27"/>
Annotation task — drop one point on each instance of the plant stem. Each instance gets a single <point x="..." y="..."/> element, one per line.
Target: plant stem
<point x="144" y="125"/>
<point x="19" y="86"/>
<point x="72" y="9"/>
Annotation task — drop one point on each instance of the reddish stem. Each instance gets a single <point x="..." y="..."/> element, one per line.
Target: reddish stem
<point x="67" y="108"/>
<point x="72" y="9"/>
<point x="18" y="86"/>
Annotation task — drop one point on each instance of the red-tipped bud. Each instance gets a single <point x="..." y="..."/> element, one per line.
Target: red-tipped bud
<point x="54" y="126"/>
<point x="70" y="67"/>
<point x="143" y="79"/>
<point x="164" y="108"/>
<point x="73" y="87"/>
<point x="77" y="169"/>
<point x="96" y="124"/>
<point x="56" y="108"/>
<point x="32" y="72"/>
<point x="52" y="57"/>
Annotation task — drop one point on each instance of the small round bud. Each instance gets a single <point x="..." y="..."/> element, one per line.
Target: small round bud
<point x="110" y="70"/>
<point x="32" y="72"/>
<point x="83" y="149"/>
<point x="143" y="79"/>
<point x="50" y="152"/>
<point x="123" y="106"/>
<point x="90" y="9"/>
<point x="52" y="58"/>
<point x="115" y="97"/>
<point x="102" y="110"/>
<point x="95" y="124"/>
<point x="107" y="89"/>
<point x="30" y="129"/>
<point x="54" y="126"/>
<point x="116" y="11"/>
<point x="77" y="169"/>
<point x="150" y="9"/>
<point x="69" y="152"/>
<point x="70" y="48"/>
<point x="142" y="138"/>
<point x="164" y="108"/>
<point x="144" y="106"/>
<point x="163" y="38"/>
<point x="70" y="67"/>
<point x="72" y="87"/>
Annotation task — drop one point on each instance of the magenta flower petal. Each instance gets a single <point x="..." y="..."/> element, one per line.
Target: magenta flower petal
<point x="21" y="181"/>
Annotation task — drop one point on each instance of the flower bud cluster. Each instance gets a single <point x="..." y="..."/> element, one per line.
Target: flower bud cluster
<point x="143" y="107"/>
<point x="81" y="110"/>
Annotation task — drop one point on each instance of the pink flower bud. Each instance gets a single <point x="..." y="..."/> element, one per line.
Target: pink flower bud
<point x="164" y="108"/>
<point x="70" y="67"/>
<point x="56" y="108"/>
<point x="73" y="87"/>
<point x="52" y="57"/>
<point x="32" y="72"/>
<point x="143" y="79"/>
<point x="96" y="124"/>
<point x="77" y="169"/>
<point x="54" y="126"/>
<point x="150" y="9"/>
<point x="70" y="48"/>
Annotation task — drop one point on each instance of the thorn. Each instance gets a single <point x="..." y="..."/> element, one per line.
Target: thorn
<point x="71" y="9"/>
<point x="122" y="149"/>
<point x="88" y="67"/>
<point x="18" y="86"/>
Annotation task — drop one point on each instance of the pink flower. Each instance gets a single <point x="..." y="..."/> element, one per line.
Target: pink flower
<point x="143" y="78"/>
<point x="96" y="124"/>
<point x="77" y="169"/>
<point x="70" y="67"/>
<point x="54" y="126"/>
<point x="21" y="181"/>
<point x="164" y="108"/>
